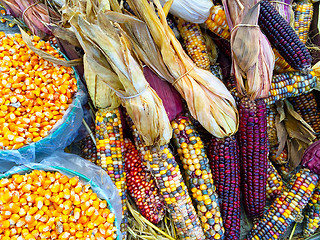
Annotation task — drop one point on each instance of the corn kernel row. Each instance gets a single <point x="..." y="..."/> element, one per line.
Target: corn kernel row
<point x="303" y="13"/>
<point x="110" y="150"/>
<point x="274" y="182"/>
<point x="34" y="93"/>
<point x="312" y="213"/>
<point x="217" y="22"/>
<point x="198" y="175"/>
<point x="49" y="205"/>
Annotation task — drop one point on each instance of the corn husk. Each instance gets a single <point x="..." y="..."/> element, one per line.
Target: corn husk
<point x="207" y="98"/>
<point x="110" y="56"/>
<point x="284" y="8"/>
<point x="195" y="11"/>
<point x="252" y="55"/>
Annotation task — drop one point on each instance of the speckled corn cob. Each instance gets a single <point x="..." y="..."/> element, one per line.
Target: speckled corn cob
<point x="312" y="213"/>
<point x="110" y="149"/>
<point x="166" y="172"/>
<point x="274" y="182"/>
<point x="173" y="26"/>
<point x="198" y="176"/>
<point x="290" y="84"/>
<point x="307" y="107"/>
<point x="253" y="154"/>
<point x="194" y="43"/>
<point x="283" y="37"/>
<point x="216" y="70"/>
<point x="286" y="207"/>
<point x="142" y="186"/>
<point x="88" y="149"/>
<point x="303" y="13"/>
<point x="281" y="159"/>
<point x="225" y="165"/>
<point x="271" y="125"/>
<point x="217" y="22"/>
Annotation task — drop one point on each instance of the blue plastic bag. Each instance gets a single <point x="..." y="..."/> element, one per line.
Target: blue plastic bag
<point x="72" y="165"/>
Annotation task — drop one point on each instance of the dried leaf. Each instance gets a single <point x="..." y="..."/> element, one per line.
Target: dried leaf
<point x="64" y="34"/>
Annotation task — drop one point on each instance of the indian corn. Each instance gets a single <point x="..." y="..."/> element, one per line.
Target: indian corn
<point x="303" y="13"/>
<point x="271" y="125"/>
<point x="225" y="165"/>
<point x="35" y="93"/>
<point x="307" y="107"/>
<point x="166" y="172"/>
<point x="274" y="182"/>
<point x="253" y="154"/>
<point x="280" y="65"/>
<point x="198" y="175"/>
<point x="194" y="43"/>
<point x="286" y="207"/>
<point x="217" y="22"/>
<point x="312" y="213"/>
<point x="281" y="159"/>
<point x="290" y="84"/>
<point x="110" y="150"/>
<point x="283" y="37"/>
<point x="142" y="186"/>
<point x="50" y="205"/>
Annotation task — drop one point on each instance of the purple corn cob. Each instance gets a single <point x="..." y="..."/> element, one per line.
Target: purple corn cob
<point x="253" y="154"/>
<point x="224" y="160"/>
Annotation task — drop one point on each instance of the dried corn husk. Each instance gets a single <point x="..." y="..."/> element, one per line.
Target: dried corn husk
<point x="252" y="55"/>
<point x="208" y="99"/>
<point x="284" y="7"/>
<point x="110" y="56"/>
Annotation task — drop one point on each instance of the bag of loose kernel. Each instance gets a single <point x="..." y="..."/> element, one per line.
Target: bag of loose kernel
<point x="72" y="177"/>
<point x="41" y="105"/>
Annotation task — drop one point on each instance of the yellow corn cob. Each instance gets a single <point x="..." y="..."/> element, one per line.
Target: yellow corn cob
<point x="217" y="22"/>
<point x="110" y="149"/>
<point x="274" y="182"/>
<point x="194" y="43"/>
<point x="302" y="19"/>
<point x="198" y="175"/>
<point x="166" y="172"/>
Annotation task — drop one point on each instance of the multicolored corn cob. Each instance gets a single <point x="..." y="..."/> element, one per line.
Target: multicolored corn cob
<point x="271" y="125"/>
<point x="312" y="213"/>
<point x="303" y="13"/>
<point x="194" y="43"/>
<point x="274" y="182"/>
<point x="283" y="37"/>
<point x="217" y="22"/>
<point x="281" y="159"/>
<point x="173" y="26"/>
<point x="284" y="171"/>
<point x="225" y="165"/>
<point x="280" y="65"/>
<point x="307" y="107"/>
<point x="215" y="69"/>
<point x="88" y="149"/>
<point x="253" y="154"/>
<point x="142" y="186"/>
<point x="286" y="207"/>
<point x="290" y="84"/>
<point x="110" y="150"/>
<point x="166" y="172"/>
<point x="198" y="176"/>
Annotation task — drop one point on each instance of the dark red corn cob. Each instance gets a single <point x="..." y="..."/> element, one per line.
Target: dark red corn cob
<point x="224" y="161"/>
<point x="253" y="154"/>
<point x="283" y="37"/>
<point x="142" y="186"/>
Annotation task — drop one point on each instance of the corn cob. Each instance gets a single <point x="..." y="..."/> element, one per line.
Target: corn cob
<point x="215" y="69"/>
<point x="253" y="154"/>
<point x="141" y="185"/>
<point x="110" y="149"/>
<point x="285" y="208"/>
<point x="173" y="26"/>
<point x="307" y="107"/>
<point x="280" y="65"/>
<point x="50" y="205"/>
<point x="88" y="149"/>
<point x="290" y="84"/>
<point x="312" y="214"/>
<point x="271" y="125"/>
<point x="303" y="13"/>
<point x="283" y="37"/>
<point x="284" y="171"/>
<point x="224" y="161"/>
<point x="169" y="180"/>
<point x="194" y="43"/>
<point x="217" y="22"/>
<point x="198" y="175"/>
<point x="274" y="182"/>
<point x="281" y="159"/>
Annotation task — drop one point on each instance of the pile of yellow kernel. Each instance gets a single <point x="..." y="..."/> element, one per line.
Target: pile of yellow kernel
<point x="49" y="205"/>
<point x="34" y="93"/>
